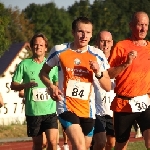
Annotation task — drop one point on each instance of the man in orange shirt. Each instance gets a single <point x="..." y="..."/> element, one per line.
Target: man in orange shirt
<point x="130" y="66"/>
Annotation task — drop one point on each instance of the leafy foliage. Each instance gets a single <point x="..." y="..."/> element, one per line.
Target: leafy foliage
<point x="55" y="23"/>
<point x="4" y="21"/>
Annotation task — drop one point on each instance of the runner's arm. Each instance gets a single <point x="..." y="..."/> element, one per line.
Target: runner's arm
<point x="18" y="87"/>
<point x="105" y="81"/>
<point x="21" y="93"/>
<point x="44" y="75"/>
<point x="115" y="71"/>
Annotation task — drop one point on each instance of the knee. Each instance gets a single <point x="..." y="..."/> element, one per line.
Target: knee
<point x="88" y="145"/>
<point x="100" y="140"/>
<point x="79" y="145"/>
<point x="99" y="145"/>
<point x="110" y="144"/>
<point x="52" y="141"/>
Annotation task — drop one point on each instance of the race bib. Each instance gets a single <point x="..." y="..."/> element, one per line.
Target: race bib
<point x="40" y="94"/>
<point x="107" y="97"/>
<point x="77" y="89"/>
<point x="139" y="103"/>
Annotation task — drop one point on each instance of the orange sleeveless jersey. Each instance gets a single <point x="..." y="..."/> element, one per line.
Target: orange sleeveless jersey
<point x="77" y="105"/>
<point x="133" y="81"/>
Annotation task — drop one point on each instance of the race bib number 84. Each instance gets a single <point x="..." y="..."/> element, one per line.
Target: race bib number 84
<point x="40" y="94"/>
<point x="77" y="89"/>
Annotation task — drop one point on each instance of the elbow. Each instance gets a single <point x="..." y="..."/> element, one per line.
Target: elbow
<point x="107" y="89"/>
<point x="112" y="76"/>
<point x="12" y="87"/>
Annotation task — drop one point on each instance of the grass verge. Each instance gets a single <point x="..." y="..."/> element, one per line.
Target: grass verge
<point x="11" y="131"/>
<point x="136" y="146"/>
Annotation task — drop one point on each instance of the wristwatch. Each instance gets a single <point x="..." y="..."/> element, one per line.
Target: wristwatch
<point x="99" y="76"/>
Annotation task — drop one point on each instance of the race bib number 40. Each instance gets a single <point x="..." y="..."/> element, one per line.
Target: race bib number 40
<point x="40" y="94"/>
<point x="77" y="89"/>
<point x="139" y="103"/>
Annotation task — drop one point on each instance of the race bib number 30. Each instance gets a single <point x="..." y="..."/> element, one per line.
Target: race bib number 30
<point x="77" y="89"/>
<point x="139" y="103"/>
<point x="40" y="94"/>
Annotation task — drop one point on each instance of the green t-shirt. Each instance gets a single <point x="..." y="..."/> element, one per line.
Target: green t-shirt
<point x="38" y="101"/>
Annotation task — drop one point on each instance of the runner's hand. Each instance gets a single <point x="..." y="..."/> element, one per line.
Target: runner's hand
<point x="94" y="66"/>
<point x="131" y="56"/>
<point x="55" y="93"/>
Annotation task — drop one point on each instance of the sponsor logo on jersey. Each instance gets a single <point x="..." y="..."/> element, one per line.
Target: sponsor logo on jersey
<point x="77" y="61"/>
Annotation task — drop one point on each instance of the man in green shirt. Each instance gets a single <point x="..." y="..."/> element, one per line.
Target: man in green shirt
<point x="40" y="109"/>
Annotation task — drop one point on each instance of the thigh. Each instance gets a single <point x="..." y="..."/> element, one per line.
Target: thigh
<point x="87" y="125"/>
<point x="100" y="124"/>
<point x="109" y="126"/>
<point x="49" y="121"/>
<point x="71" y="125"/>
<point x="76" y="136"/>
<point x="34" y="125"/>
<point x="122" y="125"/>
<point x="68" y="118"/>
<point x="144" y="120"/>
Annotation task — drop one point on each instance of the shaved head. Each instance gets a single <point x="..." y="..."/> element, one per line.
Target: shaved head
<point x="104" y="42"/>
<point x="105" y="34"/>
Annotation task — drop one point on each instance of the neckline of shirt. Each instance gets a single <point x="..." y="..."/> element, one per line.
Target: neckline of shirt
<point x="78" y="51"/>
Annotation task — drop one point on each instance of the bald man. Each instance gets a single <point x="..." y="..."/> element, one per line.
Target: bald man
<point x="104" y="116"/>
<point x="129" y="66"/>
<point x="104" y="41"/>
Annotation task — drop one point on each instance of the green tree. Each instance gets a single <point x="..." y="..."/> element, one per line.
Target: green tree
<point x="4" y="21"/>
<point x="19" y="28"/>
<point x="53" y="22"/>
<point x="81" y="8"/>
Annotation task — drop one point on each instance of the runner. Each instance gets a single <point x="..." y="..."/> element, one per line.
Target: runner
<point x="77" y="62"/>
<point x="40" y="109"/>
<point x="104" y="130"/>
<point x="129" y="65"/>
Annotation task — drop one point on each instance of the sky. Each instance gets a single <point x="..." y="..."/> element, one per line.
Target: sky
<point x="24" y="3"/>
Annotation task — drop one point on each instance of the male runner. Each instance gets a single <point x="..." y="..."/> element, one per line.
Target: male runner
<point x="129" y="66"/>
<point x="40" y="109"/>
<point x="104" y="138"/>
<point x="78" y="63"/>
